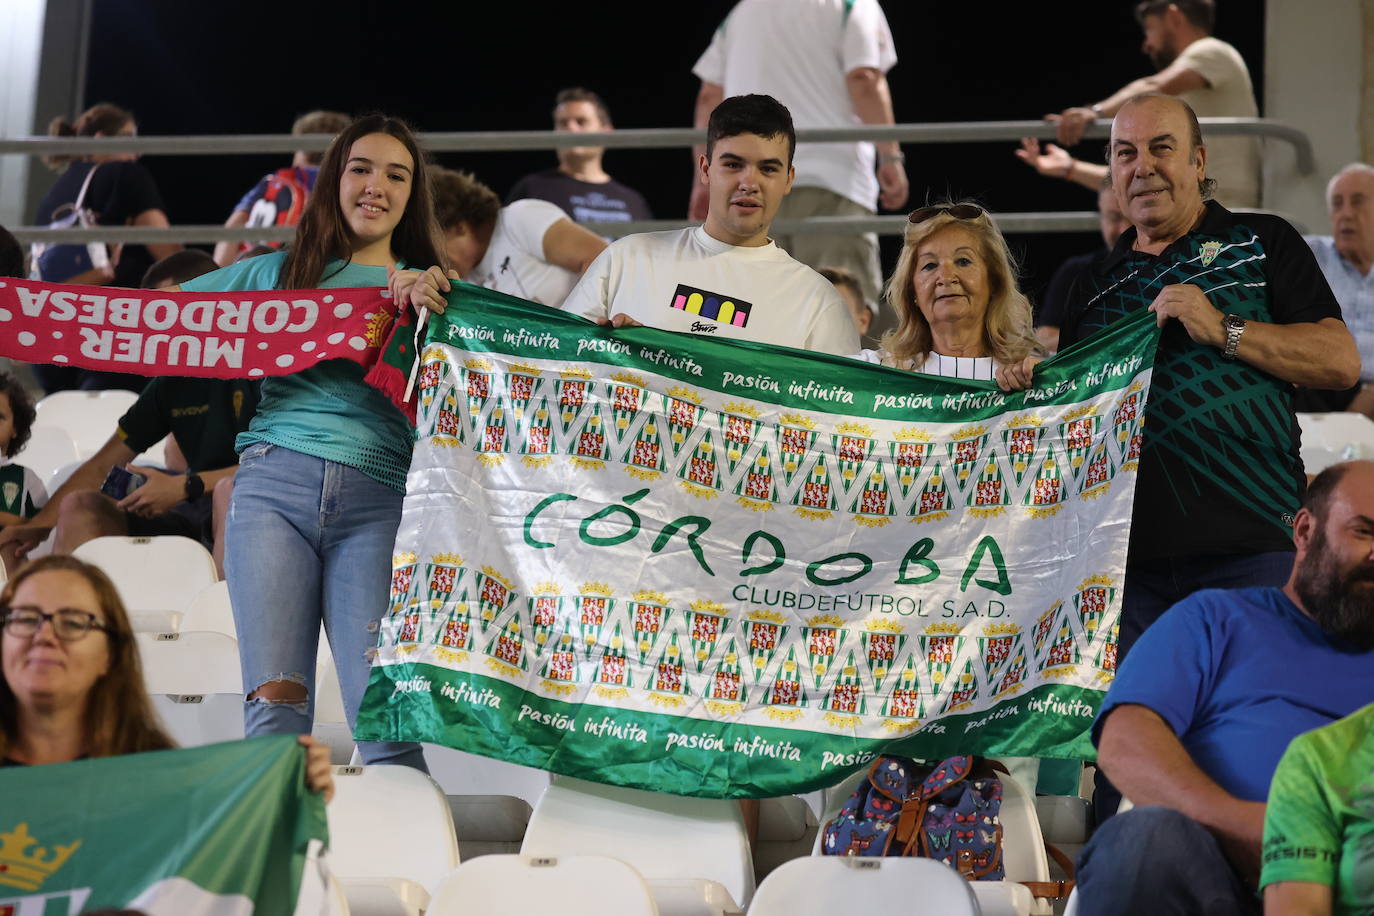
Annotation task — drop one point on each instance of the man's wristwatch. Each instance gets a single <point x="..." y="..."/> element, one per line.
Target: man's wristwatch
<point x="1234" y="326"/>
<point x="898" y="156"/>
<point x="195" y="486"/>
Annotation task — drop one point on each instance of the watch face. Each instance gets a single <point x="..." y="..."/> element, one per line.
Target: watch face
<point x="1234" y="321"/>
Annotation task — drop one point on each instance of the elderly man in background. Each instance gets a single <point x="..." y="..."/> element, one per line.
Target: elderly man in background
<point x="1245" y="315"/>
<point x="1204" y="71"/>
<point x="1346" y="257"/>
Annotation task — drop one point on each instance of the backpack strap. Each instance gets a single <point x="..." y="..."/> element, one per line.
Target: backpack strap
<point x="1054" y="890"/>
<point x="85" y="186"/>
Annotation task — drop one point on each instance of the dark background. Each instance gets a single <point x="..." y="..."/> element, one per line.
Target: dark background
<point x="253" y="66"/>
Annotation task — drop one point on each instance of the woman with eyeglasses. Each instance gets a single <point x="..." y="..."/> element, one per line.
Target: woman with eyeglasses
<point x="960" y="312"/>
<point x="73" y="686"/>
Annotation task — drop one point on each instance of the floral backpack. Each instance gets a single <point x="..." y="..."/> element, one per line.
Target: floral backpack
<point x="949" y="812"/>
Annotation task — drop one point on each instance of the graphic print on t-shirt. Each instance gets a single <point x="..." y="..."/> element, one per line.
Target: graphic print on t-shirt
<point x="711" y="305"/>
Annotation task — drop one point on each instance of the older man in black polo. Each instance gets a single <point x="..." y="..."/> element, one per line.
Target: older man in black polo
<point x="1245" y="315"/>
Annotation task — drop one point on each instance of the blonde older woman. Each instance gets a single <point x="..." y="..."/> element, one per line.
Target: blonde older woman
<point x="961" y="315"/>
<point x="960" y="312"/>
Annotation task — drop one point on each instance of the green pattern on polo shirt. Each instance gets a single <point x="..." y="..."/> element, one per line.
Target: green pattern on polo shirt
<point x="1213" y="422"/>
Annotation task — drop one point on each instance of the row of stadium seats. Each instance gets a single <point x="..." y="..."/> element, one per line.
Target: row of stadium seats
<point x="190" y="659"/>
<point x="692" y="852"/>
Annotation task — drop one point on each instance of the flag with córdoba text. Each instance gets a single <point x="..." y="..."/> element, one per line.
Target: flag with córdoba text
<point x="725" y="569"/>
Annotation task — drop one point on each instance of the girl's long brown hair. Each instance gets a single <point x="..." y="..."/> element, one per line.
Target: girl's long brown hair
<point x="119" y="717"/>
<point x="323" y="235"/>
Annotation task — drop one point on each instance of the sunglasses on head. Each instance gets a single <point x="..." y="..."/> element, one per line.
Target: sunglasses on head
<point x="958" y="211"/>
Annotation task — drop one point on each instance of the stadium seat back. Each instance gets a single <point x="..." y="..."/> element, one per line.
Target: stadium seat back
<point x="661" y="836"/>
<point x="518" y="885"/>
<point x="195" y="683"/>
<point x="836" y="884"/>
<point x="193" y="720"/>
<point x="49" y="449"/>
<point x="190" y="663"/>
<point x="461" y="773"/>
<point x="390" y="822"/>
<point x="210" y="611"/>
<point x="59" y="476"/>
<point x="1347" y="435"/>
<point x="90" y="417"/>
<point x="163" y="573"/>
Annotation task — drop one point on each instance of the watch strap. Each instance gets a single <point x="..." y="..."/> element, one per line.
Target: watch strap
<point x="1235" y="326"/>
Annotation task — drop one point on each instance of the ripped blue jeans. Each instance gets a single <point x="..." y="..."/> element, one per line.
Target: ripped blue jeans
<point x="309" y="540"/>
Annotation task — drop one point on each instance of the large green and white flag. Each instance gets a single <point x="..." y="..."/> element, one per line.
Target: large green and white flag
<point x="223" y="830"/>
<point x="723" y="569"/>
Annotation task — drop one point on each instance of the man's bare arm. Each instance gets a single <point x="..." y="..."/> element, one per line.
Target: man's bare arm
<point x="871" y="98"/>
<point x="1172" y="80"/>
<point x="89" y="476"/>
<point x="1147" y="762"/>
<point x="1317" y="354"/>
<point x="1297" y="898"/>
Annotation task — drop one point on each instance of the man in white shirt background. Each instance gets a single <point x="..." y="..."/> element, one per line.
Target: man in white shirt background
<point x="827" y="61"/>
<point x="725" y="278"/>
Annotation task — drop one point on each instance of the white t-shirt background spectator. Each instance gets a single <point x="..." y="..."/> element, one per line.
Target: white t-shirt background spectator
<point x="685" y="280"/>
<point x="1233" y="161"/>
<point x="811" y="45"/>
<point x="514" y="262"/>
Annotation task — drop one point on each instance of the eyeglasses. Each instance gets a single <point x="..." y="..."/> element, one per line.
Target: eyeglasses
<point x="68" y="624"/>
<point x="958" y="211"/>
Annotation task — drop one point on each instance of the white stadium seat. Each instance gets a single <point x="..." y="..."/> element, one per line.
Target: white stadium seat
<point x="59" y="476"/>
<point x="211" y="611"/>
<point x="665" y="837"/>
<point x="461" y="773"/>
<point x="49" y="449"/>
<point x="158" y="577"/>
<point x="488" y="824"/>
<point x="841" y="884"/>
<point x="1329" y="438"/>
<point x="392" y="839"/>
<point x="1064" y="819"/>
<point x="195" y="683"/>
<point x="787" y="829"/>
<point x="516" y="885"/>
<point x="90" y="417"/>
<point x="331" y="720"/>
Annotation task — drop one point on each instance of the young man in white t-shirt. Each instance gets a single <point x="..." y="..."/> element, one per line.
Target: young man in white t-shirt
<point x="529" y="248"/>
<point x="725" y="278"/>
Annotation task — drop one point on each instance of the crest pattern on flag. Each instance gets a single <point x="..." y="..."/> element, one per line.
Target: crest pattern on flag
<point x="739" y="571"/>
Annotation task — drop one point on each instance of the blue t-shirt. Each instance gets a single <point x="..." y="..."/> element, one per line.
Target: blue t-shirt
<point x="326" y="411"/>
<point x="1237" y="674"/>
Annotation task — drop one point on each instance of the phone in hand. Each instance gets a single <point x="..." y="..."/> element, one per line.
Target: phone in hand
<point x="120" y="482"/>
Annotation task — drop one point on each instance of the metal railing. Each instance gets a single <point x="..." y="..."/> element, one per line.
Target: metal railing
<point x="632" y="138"/>
<point x="1012" y="223"/>
<point x="635" y="138"/>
